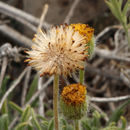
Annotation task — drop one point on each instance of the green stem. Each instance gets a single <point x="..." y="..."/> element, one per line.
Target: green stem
<point x="127" y="33"/>
<point x="76" y="123"/>
<point x="55" y="100"/>
<point x="81" y="76"/>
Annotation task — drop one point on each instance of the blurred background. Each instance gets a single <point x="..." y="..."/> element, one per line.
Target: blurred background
<point x="107" y="72"/>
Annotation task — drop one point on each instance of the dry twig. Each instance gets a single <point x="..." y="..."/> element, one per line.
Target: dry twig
<point x="26" y="82"/>
<point x="45" y="9"/>
<point x="111" y="104"/>
<point x="101" y="90"/>
<point x="100" y="110"/>
<point x="19" y="14"/>
<point x="3" y="70"/>
<point x="107" y="31"/>
<point x="71" y="11"/>
<point x="39" y="91"/>
<point x="13" y="122"/>
<point x="16" y="36"/>
<point x="41" y="97"/>
<point x="110" y="55"/>
<point x="104" y="73"/>
<point x="12" y="87"/>
<point x="112" y="99"/>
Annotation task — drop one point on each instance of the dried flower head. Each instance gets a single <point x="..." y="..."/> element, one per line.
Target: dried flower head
<point x="73" y="101"/>
<point x="59" y="51"/>
<point x="84" y="30"/>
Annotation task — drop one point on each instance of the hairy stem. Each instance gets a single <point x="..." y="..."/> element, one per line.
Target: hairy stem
<point x="55" y="100"/>
<point x="81" y="76"/>
<point x="76" y="123"/>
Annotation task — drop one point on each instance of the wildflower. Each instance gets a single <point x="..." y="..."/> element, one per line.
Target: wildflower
<point x="74" y="94"/>
<point x="73" y="101"/>
<point x="87" y="33"/>
<point x="84" y="30"/>
<point x="59" y="51"/>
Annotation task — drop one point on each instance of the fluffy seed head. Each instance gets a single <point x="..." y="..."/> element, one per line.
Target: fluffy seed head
<point x="61" y="50"/>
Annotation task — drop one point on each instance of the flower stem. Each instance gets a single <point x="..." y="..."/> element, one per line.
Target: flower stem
<point x="81" y="76"/>
<point x="81" y="81"/>
<point x="55" y="100"/>
<point x="76" y="124"/>
<point x="126" y="32"/>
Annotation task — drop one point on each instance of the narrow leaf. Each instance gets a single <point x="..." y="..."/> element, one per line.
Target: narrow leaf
<point x="33" y="88"/>
<point x="63" y="124"/>
<point x="118" y="112"/>
<point x="123" y="122"/>
<point x="26" y="114"/>
<point x="21" y="125"/>
<point x="125" y="9"/>
<point x="35" y="120"/>
<point x="51" y="125"/>
<point x="4" y="85"/>
<point x="85" y="125"/>
<point x="16" y="107"/>
<point x="4" y="109"/>
<point x="4" y="122"/>
<point x="112" y="8"/>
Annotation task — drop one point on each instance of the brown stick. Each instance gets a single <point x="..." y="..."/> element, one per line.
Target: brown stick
<point x="3" y="70"/>
<point x="109" y="55"/>
<point x="16" y="36"/>
<point x="12" y="87"/>
<point x="71" y="11"/>
<point x="112" y="99"/>
<point x="17" y="14"/>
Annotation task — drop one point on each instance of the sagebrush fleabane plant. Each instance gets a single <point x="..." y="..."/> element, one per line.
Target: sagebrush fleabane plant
<point x="62" y="50"/>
